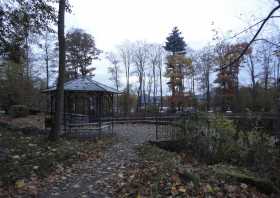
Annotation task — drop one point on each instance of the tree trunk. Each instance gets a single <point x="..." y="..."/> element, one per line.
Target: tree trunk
<point x="154" y="77"/>
<point x="117" y="86"/>
<point x="160" y="81"/>
<point x="127" y="89"/>
<point x="27" y="65"/>
<point x="59" y="102"/>
<point x="266" y="73"/>
<point x="47" y="64"/>
<point x="252" y="74"/>
<point x="139" y="94"/>
<point x="278" y="73"/>
<point x="208" y="90"/>
<point x="47" y="72"/>
<point x="193" y="91"/>
<point x="144" y="91"/>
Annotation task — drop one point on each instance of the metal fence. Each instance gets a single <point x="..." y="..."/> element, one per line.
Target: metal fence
<point x="174" y="126"/>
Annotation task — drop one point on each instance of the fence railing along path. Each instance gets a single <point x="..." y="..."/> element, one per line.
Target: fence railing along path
<point x="80" y="125"/>
<point x="167" y="126"/>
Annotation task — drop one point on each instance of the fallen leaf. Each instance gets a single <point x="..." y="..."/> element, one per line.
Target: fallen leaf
<point x="173" y="189"/>
<point x="230" y="188"/>
<point x="182" y="189"/>
<point x="209" y="188"/>
<point x="16" y="157"/>
<point x="244" y="186"/>
<point x="120" y="175"/>
<point x="76" y="186"/>
<point x="20" y="183"/>
<point x="138" y="195"/>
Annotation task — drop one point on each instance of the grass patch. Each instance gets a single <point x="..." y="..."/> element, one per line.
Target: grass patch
<point x="153" y="153"/>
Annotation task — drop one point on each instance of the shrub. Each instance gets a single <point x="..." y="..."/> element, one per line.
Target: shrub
<point x="18" y="111"/>
<point x="216" y="139"/>
<point x="213" y="139"/>
<point x="222" y="140"/>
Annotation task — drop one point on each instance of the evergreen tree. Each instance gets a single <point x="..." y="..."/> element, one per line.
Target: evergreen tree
<point x="176" y="64"/>
<point x="175" y="42"/>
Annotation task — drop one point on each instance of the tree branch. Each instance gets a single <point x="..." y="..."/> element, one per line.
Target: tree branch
<point x="253" y="39"/>
<point x="267" y="41"/>
<point x="250" y="27"/>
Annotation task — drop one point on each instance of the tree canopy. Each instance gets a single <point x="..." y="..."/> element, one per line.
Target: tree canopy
<point x="21" y="18"/>
<point x="80" y="52"/>
<point x="175" y="42"/>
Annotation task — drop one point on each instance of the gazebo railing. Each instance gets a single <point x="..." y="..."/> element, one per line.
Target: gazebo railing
<point x="80" y="125"/>
<point x="71" y="118"/>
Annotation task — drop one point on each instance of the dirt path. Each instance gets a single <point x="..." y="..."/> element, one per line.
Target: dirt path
<point x="98" y="178"/>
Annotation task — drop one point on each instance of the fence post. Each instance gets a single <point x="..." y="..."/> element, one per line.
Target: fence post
<point x="99" y="126"/>
<point x="156" y="128"/>
<point x="185" y="125"/>
<point x="112" y="123"/>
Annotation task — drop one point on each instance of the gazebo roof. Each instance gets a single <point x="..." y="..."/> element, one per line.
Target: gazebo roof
<point x="85" y="84"/>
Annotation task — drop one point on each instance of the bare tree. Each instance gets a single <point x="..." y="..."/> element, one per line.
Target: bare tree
<point x="160" y="65"/>
<point x="191" y="71"/>
<point x="140" y="59"/>
<point x="251" y="67"/>
<point x="254" y="38"/>
<point x="114" y="70"/>
<point x="277" y="73"/>
<point x="266" y="60"/>
<point x="205" y="63"/>
<point x="125" y="52"/>
<point x="149" y="86"/>
<point x="155" y="59"/>
<point x="49" y="54"/>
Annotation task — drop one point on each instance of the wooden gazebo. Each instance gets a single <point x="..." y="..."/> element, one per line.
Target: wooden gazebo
<point x="84" y="98"/>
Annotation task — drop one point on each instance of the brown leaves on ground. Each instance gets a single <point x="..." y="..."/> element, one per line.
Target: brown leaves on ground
<point x="161" y="174"/>
<point x="26" y="161"/>
<point x="34" y="121"/>
<point x="30" y="163"/>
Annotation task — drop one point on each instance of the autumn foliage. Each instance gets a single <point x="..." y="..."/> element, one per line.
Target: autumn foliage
<point x="228" y="71"/>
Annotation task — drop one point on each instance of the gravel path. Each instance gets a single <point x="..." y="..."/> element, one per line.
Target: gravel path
<point x="98" y="178"/>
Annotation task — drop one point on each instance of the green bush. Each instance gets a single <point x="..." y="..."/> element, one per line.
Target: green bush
<point x="18" y="111"/>
<point x="222" y="140"/>
<point x="260" y="149"/>
<point x="216" y="140"/>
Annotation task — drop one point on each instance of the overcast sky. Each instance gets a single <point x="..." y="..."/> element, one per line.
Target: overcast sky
<point x="113" y="21"/>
